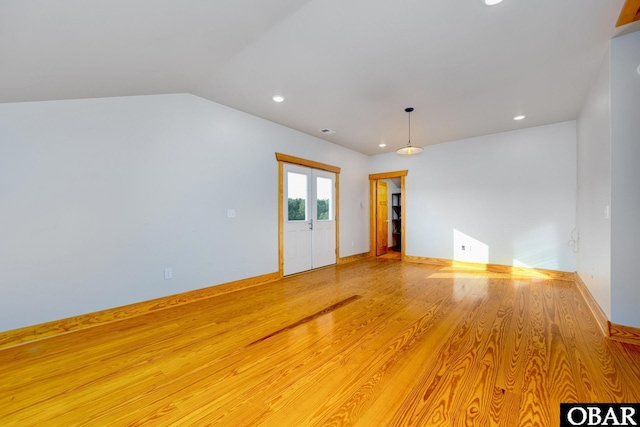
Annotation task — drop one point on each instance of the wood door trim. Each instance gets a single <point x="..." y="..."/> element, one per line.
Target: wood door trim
<point x="402" y="174"/>
<point x="308" y="163"/>
<point x="630" y="12"/>
<point x="285" y="158"/>
<point x="337" y="213"/>
<point x="388" y="175"/>
<point x="281" y="218"/>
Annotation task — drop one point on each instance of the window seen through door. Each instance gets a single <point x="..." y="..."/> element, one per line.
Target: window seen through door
<point x="297" y="196"/>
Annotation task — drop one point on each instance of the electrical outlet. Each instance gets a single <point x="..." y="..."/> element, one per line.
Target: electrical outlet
<point x="231" y="213"/>
<point x="463" y="247"/>
<point x="168" y="273"/>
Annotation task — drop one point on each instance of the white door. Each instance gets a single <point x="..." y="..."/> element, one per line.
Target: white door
<point x="323" y="237"/>
<point x="309" y="222"/>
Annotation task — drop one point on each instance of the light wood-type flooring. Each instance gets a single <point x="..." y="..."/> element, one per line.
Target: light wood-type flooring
<point x="372" y="343"/>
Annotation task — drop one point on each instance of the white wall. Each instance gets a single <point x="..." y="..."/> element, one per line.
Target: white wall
<point x="98" y="196"/>
<point x="510" y="196"/>
<point x="594" y="190"/>
<point x="625" y="179"/>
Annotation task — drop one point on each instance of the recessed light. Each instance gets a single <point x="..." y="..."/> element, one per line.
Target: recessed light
<point x="520" y="117"/>
<point x="491" y="2"/>
<point x="382" y="145"/>
<point x="278" y="98"/>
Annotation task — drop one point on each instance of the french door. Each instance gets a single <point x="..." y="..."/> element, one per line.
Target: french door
<point x="309" y="218"/>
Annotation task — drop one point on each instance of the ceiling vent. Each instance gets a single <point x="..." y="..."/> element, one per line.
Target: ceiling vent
<point x="327" y="131"/>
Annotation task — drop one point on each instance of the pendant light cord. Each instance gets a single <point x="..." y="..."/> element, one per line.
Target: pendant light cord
<point x="409" y="128"/>
<point x="408" y="150"/>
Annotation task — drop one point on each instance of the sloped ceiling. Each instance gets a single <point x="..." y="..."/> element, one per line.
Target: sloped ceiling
<point x="66" y="49"/>
<point x="348" y="65"/>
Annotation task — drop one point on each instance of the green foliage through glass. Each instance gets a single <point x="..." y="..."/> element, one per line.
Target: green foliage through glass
<point x="323" y="209"/>
<point x="297" y="210"/>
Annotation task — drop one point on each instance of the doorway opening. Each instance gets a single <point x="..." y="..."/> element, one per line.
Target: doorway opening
<point x="387" y="219"/>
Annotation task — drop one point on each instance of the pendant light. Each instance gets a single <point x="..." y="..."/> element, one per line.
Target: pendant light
<point x="409" y="149"/>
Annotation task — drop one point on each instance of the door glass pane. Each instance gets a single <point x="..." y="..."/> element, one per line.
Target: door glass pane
<point x="324" y="194"/>
<point x="297" y="196"/>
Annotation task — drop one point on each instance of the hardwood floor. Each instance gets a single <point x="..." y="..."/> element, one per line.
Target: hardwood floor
<point x="391" y="255"/>
<point x="372" y="343"/>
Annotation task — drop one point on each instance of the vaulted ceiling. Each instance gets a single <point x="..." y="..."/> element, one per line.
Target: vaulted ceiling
<point x="348" y="65"/>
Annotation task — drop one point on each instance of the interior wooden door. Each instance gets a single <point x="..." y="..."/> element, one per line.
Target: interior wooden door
<point x="382" y="223"/>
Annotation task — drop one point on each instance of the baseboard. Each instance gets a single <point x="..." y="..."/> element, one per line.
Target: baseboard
<point x="494" y="268"/>
<point x="352" y="258"/>
<point x="596" y="310"/>
<point x="626" y="334"/>
<point x="58" y="327"/>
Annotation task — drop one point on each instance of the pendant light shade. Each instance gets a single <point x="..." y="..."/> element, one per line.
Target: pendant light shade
<point x="409" y="149"/>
